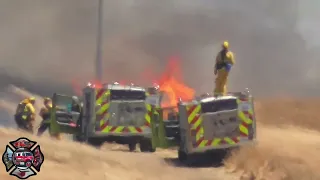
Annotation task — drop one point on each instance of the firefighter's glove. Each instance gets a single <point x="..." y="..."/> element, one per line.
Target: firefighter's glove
<point x="228" y="67"/>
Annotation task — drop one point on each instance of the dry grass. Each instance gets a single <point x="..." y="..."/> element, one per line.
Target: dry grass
<point x="69" y="160"/>
<point x="73" y="161"/>
<point x="287" y="149"/>
<point x="288" y="111"/>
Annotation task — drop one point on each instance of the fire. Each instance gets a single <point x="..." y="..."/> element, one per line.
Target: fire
<point x="171" y="84"/>
<point x="96" y="84"/>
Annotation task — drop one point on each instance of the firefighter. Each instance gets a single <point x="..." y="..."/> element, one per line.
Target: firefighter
<point x="224" y="61"/>
<point x="25" y="114"/>
<point x="45" y="115"/>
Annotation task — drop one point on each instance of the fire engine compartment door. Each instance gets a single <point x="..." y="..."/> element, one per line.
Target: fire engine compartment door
<point x="63" y="118"/>
<point x="220" y="125"/>
<point x="127" y="113"/>
<point x="220" y="119"/>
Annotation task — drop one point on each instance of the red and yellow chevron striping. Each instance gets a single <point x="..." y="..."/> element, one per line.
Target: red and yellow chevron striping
<point x="122" y="129"/>
<point x="247" y="118"/>
<point x="195" y="121"/>
<point x="148" y="115"/>
<point x="102" y="104"/>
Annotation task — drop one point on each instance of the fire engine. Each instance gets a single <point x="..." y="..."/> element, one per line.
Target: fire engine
<point x="132" y="115"/>
<point x="215" y="125"/>
<point x="114" y="113"/>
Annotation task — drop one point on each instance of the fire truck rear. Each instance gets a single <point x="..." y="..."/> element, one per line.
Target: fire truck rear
<point x="113" y="113"/>
<point x="118" y="114"/>
<point x="215" y="124"/>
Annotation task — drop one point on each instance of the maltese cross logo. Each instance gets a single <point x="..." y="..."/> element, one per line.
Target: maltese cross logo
<point x="22" y="158"/>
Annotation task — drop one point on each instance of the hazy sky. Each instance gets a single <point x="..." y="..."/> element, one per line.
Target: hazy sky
<point x="46" y="44"/>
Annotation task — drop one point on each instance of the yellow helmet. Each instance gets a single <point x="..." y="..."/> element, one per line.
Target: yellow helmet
<point x="225" y="44"/>
<point x="46" y="99"/>
<point x="32" y="99"/>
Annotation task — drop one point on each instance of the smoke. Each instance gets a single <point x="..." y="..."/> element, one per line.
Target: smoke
<point x="45" y="44"/>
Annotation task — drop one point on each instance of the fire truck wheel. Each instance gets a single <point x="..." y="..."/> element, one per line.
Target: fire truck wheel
<point x="96" y="142"/>
<point x="182" y="156"/>
<point x="146" y="146"/>
<point x="132" y="147"/>
<point x="187" y="159"/>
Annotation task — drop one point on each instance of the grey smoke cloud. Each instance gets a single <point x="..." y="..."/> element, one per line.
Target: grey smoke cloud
<point x="46" y="44"/>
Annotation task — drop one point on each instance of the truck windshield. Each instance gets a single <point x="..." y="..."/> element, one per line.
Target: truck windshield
<point x="127" y="95"/>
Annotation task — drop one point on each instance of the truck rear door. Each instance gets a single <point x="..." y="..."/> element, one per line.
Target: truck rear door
<point x="216" y="124"/>
<point x="63" y="118"/>
<point x="220" y="121"/>
<point x="127" y="113"/>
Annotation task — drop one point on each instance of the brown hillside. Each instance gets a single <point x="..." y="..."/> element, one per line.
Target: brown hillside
<point x="287" y="150"/>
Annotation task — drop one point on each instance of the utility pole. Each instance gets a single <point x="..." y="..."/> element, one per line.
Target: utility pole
<point x="98" y="64"/>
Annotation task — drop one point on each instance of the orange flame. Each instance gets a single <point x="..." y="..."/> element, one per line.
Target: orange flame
<point x="171" y="84"/>
<point x="96" y="84"/>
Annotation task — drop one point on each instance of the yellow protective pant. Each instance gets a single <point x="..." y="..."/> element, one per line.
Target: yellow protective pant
<point x="221" y="82"/>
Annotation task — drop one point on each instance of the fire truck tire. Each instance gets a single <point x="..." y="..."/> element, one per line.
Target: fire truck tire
<point x="132" y="147"/>
<point x="182" y="156"/>
<point x="187" y="159"/>
<point x="146" y="146"/>
<point x="78" y="138"/>
<point x="96" y="142"/>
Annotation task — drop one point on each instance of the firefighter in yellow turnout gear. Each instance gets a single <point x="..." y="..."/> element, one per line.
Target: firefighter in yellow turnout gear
<point x="45" y="115"/>
<point x="224" y="61"/>
<point x="25" y="114"/>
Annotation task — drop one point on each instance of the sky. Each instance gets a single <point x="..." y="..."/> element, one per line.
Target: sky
<point x="46" y="45"/>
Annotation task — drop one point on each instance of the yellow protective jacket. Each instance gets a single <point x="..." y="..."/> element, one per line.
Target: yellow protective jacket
<point x="30" y="108"/>
<point x="224" y="58"/>
<point x="25" y="107"/>
<point x="44" y="112"/>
